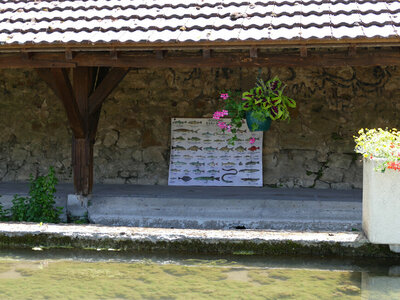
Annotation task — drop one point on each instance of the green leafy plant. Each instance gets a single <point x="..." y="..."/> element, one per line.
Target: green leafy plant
<point x="39" y="205"/>
<point x="265" y="100"/>
<point x="380" y="143"/>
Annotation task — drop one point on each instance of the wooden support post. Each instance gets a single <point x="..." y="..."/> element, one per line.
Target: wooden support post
<point x="82" y="163"/>
<point x="82" y="148"/>
<point x="90" y="84"/>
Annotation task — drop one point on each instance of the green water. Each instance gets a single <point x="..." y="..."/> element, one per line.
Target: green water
<point x="93" y="275"/>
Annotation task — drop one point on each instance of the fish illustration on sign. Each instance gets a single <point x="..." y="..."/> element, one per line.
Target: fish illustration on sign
<point x="185" y="178"/>
<point x="212" y="171"/>
<point x="179" y="122"/>
<point x="253" y="148"/>
<point x="249" y="170"/>
<point x="212" y="164"/>
<point x="210" y="149"/>
<point x="252" y="163"/>
<point x="225" y="149"/>
<point x="207" y="178"/>
<point x="229" y="164"/>
<point x="179" y="138"/>
<point x="194" y="148"/>
<point x="250" y="179"/>
<point x="197" y="164"/>
<point x="219" y="141"/>
<point x="198" y="171"/>
<point x="196" y="139"/>
<point x="211" y="156"/>
<point x="178" y="148"/>
<point x="231" y="172"/>
<point x="207" y="141"/>
<point x="175" y="170"/>
<point x="179" y="163"/>
<point x="187" y="156"/>
<point x="240" y="149"/>
<point x="185" y="130"/>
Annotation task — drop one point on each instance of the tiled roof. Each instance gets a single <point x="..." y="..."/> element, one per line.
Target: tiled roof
<point x="177" y="21"/>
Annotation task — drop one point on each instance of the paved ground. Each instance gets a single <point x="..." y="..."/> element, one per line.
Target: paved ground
<point x="214" y="207"/>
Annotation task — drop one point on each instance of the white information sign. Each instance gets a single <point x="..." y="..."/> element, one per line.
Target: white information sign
<point x="201" y="155"/>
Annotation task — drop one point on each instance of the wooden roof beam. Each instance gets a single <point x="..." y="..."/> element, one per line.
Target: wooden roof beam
<point x="145" y="60"/>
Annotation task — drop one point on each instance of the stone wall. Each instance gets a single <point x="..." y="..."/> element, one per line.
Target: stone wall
<point x="314" y="150"/>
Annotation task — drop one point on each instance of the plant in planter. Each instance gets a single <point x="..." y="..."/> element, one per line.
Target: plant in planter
<point x="259" y="106"/>
<point x="381" y="189"/>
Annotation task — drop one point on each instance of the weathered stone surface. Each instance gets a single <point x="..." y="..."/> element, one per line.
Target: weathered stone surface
<point x="153" y="154"/>
<point x="258" y="242"/>
<point x="133" y="141"/>
<point x="341" y="161"/>
<point x="321" y="185"/>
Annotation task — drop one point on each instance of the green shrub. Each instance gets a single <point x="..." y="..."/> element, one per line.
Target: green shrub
<point x="39" y="205"/>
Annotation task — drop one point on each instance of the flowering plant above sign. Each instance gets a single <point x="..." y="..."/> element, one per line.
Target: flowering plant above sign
<point x="259" y="106"/>
<point x="380" y="143"/>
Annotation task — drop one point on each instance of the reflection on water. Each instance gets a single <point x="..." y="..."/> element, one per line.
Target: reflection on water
<point x="103" y="275"/>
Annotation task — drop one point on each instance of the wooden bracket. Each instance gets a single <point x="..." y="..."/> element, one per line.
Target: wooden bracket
<point x="107" y="85"/>
<point x="114" y="54"/>
<point x="26" y="55"/>
<point x="353" y="50"/>
<point x="206" y="53"/>
<point x="160" y="54"/>
<point x="68" y="54"/>
<point x="303" y="52"/>
<point x="253" y="52"/>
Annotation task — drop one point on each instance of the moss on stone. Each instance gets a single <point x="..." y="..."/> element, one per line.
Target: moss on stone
<point x="198" y="246"/>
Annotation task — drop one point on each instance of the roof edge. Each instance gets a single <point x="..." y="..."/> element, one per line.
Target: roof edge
<point x="367" y="42"/>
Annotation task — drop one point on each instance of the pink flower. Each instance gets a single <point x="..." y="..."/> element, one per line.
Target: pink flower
<point x="222" y="125"/>
<point x="220" y="114"/>
<point x="252" y="140"/>
<point x="216" y="115"/>
<point x="224" y="96"/>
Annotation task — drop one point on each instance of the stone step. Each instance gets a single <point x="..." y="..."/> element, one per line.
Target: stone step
<point x="227" y="208"/>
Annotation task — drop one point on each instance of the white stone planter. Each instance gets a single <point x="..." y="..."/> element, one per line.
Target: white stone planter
<point x="381" y="205"/>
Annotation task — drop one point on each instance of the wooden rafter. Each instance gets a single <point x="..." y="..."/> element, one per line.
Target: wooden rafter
<point x="147" y="60"/>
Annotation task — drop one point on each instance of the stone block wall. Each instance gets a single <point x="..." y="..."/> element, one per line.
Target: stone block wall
<point x="314" y="150"/>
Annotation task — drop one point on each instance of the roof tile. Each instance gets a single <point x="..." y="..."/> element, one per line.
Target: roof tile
<point x="104" y="21"/>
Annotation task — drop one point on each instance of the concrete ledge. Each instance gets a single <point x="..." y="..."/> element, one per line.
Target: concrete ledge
<point x="257" y="242"/>
<point x="227" y="208"/>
